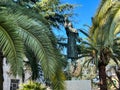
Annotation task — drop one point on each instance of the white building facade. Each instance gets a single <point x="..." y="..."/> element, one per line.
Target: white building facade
<point x="10" y="82"/>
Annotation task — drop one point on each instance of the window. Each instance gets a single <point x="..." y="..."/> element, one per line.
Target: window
<point x="14" y="84"/>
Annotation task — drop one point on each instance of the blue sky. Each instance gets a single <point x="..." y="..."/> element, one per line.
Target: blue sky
<point x="83" y="13"/>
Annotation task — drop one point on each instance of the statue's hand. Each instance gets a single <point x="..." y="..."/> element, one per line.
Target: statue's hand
<point x="73" y="30"/>
<point x="76" y="31"/>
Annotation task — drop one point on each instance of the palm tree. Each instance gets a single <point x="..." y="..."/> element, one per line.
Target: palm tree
<point x="18" y="31"/>
<point x="101" y="46"/>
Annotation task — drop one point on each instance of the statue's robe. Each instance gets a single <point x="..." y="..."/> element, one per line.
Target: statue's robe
<point x="71" y="45"/>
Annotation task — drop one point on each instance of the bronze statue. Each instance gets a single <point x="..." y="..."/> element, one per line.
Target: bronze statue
<point x="72" y="35"/>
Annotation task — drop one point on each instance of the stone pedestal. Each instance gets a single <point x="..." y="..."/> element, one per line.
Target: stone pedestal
<point x="78" y="85"/>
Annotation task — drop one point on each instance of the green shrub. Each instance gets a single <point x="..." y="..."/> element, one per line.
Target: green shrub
<point x="31" y="85"/>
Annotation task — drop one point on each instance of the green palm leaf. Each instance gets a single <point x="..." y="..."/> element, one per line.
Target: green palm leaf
<point x="35" y="37"/>
<point x="22" y="29"/>
<point x="10" y="43"/>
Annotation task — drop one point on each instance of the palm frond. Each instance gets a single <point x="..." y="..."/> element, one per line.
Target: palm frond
<point x="87" y="62"/>
<point x="86" y="34"/>
<point x="58" y="80"/>
<point x="10" y="43"/>
<point x="35" y="37"/>
<point x="33" y="63"/>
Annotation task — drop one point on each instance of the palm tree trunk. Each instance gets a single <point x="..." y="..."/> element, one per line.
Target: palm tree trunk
<point x="1" y="71"/>
<point x="102" y="76"/>
<point x="118" y="76"/>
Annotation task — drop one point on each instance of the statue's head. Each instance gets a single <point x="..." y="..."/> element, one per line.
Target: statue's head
<point x="66" y="19"/>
